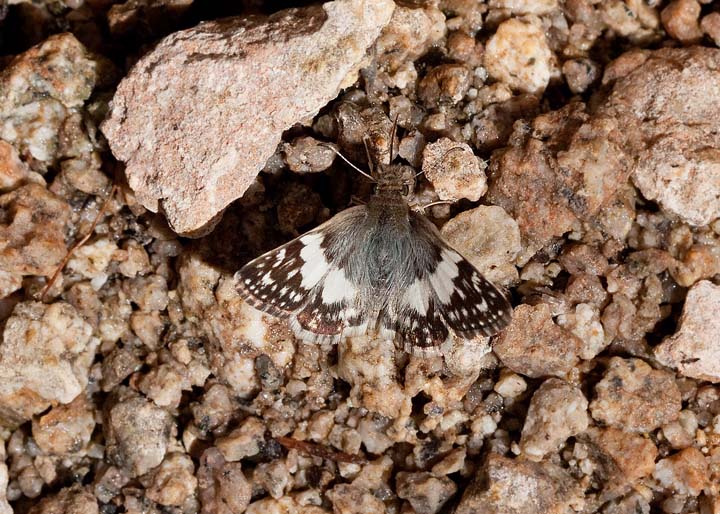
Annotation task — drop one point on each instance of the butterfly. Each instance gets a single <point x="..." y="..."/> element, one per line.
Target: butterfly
<point x="378" y="268"/>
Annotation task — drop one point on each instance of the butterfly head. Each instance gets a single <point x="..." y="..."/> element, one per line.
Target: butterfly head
<point x="394" y="179"/>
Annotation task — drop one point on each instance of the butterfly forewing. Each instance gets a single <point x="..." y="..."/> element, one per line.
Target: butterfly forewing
<point x="304" y="282"/>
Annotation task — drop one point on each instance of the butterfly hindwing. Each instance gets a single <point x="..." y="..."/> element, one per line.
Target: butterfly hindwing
<point x="474" y="306"/>
<point x="447" y="291"/>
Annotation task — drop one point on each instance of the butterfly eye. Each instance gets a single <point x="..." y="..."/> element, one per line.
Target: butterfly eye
<point x="405" y="190"/>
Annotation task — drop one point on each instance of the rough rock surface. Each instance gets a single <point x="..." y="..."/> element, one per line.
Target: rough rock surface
<point x="179" y="138"/>
<point x="673" y="96"/>
<point x="137" y="433"/>
<point x="510" y="486"/>
<point x="518" y="54"/>
<point x="454" y="170"/>
<point x="563" y="168"/>
<point x="70" y="500"/>
<point x="685" y="472"/>
<point x="66" y="428"/>
<point x="623" y="456"/>
<point x="533" y="345"/>
<point x="694" y="350"/>
<point x="33" y="233"/>
<point x="558" y="410"/>
<point x="489" y="239"/>
<point x="45" y="357"/>
<point x="39" y="90"/>
<point x="634" y="397"/>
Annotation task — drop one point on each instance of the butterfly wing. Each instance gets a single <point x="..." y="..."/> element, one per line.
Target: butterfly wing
<point x="304" y="281"/>
<point x="445" y="291"/>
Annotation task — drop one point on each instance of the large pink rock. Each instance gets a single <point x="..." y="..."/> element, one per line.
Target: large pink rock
<point x="198" y="117"/>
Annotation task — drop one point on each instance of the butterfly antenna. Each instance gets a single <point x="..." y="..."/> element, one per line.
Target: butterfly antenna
<point x="347" y="161"/>
<point x="393" y="132"/>
<point x="439" y="202"/>
<point x="367" y="153"/>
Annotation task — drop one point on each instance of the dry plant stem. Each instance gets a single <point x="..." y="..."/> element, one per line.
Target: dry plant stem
<point x="77" y="245"/>
<point x="319" y="450"/>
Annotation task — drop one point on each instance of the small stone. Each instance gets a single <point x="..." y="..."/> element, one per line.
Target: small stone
<point x="489" y="238"/>
<point x="518" y="54"/>
<point x="686" y="472"/>
<point x="349" y="499"/>
<point x="173" y="482"/>
<point x="584" y="322"/>
<point x="307" y="155"/>
<point x="410" y="33"/>
<point x="216" y="408"/>
<point x="681" y="432"/>
<point x="13" y="172"/>
<point x="534" y="346"/>
<point x="135" y="18"/>
<point x="137" y="261"/>
<point x="108" y="483"/>
<point x="693" y="350"/>
<point x="70" y="500"/>
<point x="226" y="111"/>
<point x="462" y="47"/>
<point x="445" y="84"/>
<point x="557" y="411"/>
<point x="150" y="292"/>
<point x="148" y="326"/>
<point x="634" y="397"/>
<point x="137" y="433"/>
<point x="510" y="385"/>
<point x="244" y="441"/>
<point x="680" y="19"/>
<point x="545" y="190"/>
<point x="454" y="170"/>
<point x="582" y="258"/>
<point x="626" y="457"/>
<point x="222" y="486"/>
<point x="580" y="74"/>
<point x="451" y="463"/>
<point x="425" y="492"/>
<point x="41" y="88"/>
<point x="679" y="163"/>
<point x="45" y="357"/>
<point x="92" y="260"/>
<point x="33" y="234"/>
<point x="117" y="366"/>
<point x="164" y="385"/>
<point x="512" y="486"/>
<point x="273" y="477"/>
<point x="710" y="25"/>
<point x="519" y="7"/>
<point x="66" y="429"/>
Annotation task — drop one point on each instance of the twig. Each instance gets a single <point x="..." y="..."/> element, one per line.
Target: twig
<point x="319" y="450"/>
<point x="77" y="245"/>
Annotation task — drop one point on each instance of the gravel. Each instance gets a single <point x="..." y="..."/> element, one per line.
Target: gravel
<point x="575" y="145"/>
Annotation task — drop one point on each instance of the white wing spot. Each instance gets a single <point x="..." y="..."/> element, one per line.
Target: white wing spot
<point x="315" y="266"/>
<point x="336" y="287"/>
<point x="442" y="278"/>
<point x="416" y="297"/>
